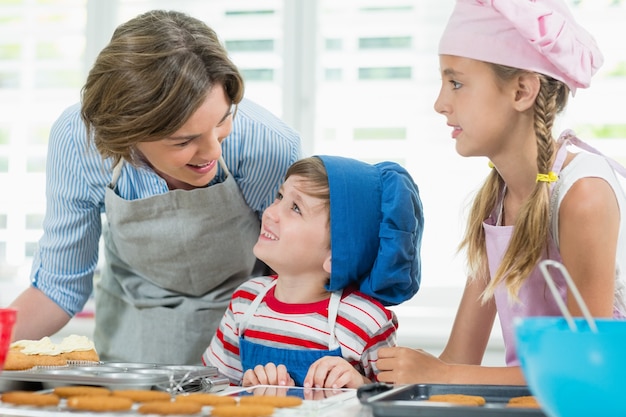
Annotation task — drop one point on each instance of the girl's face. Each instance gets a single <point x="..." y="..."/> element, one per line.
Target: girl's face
<point x="295" y="236"/>
<point x="188" y="158"/>
<point x="476" y="104"/>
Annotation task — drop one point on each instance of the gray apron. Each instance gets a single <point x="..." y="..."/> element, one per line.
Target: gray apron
<point x="172" y="263"/>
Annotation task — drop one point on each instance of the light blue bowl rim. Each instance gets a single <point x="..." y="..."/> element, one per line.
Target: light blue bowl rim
<point x="560" y="324"/>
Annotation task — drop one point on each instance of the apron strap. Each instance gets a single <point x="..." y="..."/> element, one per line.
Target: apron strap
<point x="253" y="306"/>
<point x="561" y="154"/>
<point x="569" y="136"/>
<point x="117" y="171"/>
<point x="333" y="311"/>
<point x="560" y="157"/>
<point x="224" y="167"/>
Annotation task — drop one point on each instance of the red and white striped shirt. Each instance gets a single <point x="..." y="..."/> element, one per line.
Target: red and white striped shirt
<point x="363" y="326"/>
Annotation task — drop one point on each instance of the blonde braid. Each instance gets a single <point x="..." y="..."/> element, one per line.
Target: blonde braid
<point x="531" y="227"/>
<point x="530" y="235"/>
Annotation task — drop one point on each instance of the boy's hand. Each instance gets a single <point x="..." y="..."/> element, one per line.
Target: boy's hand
<point x="270" y="374"/>
<point x="333" y="372"/>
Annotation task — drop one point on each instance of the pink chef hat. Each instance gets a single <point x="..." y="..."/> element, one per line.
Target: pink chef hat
<point x="536" y="35"/>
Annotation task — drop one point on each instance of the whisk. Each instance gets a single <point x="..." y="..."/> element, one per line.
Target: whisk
<point x="543" y="265"/>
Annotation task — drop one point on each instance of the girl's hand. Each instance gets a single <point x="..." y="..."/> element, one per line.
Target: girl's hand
<point x="270" y="374"/>
<point x="333" y="372"/>
<point x="401" y="365"/>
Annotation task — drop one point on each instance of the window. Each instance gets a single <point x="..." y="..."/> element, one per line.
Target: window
<point x="42" y="64"/>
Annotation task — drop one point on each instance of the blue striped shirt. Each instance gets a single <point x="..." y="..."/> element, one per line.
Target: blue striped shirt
<point x="257" y="153"/>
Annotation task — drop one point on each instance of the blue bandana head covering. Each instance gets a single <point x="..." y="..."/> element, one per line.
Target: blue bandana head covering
<point x="376" y="224"/>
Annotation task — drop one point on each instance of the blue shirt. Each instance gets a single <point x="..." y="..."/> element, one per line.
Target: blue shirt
<point x="258" y="152"/>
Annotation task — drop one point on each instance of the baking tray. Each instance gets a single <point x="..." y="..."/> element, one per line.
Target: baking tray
<point x="125" y="375"/>
<point x="408" y="400"/>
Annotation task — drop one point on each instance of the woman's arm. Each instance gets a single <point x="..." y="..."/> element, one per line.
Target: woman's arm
<point x="67" y="253"/>
<point x="37" y="315"/>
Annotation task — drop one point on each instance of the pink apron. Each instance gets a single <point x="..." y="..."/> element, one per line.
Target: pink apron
<point x="535" y="298"/>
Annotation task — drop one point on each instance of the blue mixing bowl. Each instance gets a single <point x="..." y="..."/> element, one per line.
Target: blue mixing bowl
<point x="574" y="372"/>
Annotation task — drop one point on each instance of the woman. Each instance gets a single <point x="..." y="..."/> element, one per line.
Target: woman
<point x="156" y="147"/>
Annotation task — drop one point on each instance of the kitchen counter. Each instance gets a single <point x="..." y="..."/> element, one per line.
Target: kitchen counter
<point x="385" y="400"/>
<point x="350" y="408"/>
<point x="400" y="402"/>
<point x="344" y="404"/>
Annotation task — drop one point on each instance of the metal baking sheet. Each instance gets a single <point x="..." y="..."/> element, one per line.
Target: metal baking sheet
<point x="408" y="401"/>
<point x="124" y="375"/>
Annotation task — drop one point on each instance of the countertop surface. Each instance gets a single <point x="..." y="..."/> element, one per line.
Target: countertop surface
<point x="317" y="403"/>
<point x="350" y="408"/>
<point x="385" y="400"/>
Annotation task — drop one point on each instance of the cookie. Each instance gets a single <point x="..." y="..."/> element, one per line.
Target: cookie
<point x="81" y="356"/>
<point x="21" y="356"/>
<point x="99" y="403"/>
<point x="527" y="401"/>
<point x="80" y="390"/>
<point x="458" y="399"/>
<point x="142" y="396"/>
<point x="18" y="361"/>
<point x="206" y="399"/>
<point x="30" y="398"/>
<point x="242" y="410"/>
<point x="170" y="407"/>
<point x="274" y="401"/>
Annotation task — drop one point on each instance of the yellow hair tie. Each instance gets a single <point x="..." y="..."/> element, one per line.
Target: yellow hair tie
<point x="549" y="177"/>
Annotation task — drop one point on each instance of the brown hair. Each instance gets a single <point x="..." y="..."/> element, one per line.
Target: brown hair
<point x="151" y="77"/>
<point x="530" y="233"/>
<point x="313" y="173"/>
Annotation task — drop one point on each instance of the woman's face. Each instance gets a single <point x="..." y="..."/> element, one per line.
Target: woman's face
<point x="295" y="236"/>
<point x="188" y="158"/>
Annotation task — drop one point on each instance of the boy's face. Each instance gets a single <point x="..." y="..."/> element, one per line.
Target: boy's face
<point x="295" y="236"/>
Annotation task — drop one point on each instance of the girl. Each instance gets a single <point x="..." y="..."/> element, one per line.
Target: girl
<point x="507" y="69"/>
